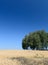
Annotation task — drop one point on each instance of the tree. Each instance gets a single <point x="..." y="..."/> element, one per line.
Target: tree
<point x="25" y="42"/>
<point x="43" y="38"/>
<point x="46" y="44"/>
<point x="36" y="40"/>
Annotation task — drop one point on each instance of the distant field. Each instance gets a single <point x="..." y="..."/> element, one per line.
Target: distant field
<point x="23" y="57"/>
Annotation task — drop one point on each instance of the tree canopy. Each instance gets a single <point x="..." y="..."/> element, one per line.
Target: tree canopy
<point x="36" y="40"/>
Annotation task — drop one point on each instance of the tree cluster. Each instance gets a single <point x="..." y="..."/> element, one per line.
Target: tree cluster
<point x="37" y="40"/>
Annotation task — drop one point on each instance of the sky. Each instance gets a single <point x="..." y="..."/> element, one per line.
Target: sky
<point x="20" y="17"/>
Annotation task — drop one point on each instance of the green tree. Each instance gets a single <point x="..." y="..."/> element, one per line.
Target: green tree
<point x="25" y="42"/>
<point x="43" y="38"/>
<point x="36" y="40"/>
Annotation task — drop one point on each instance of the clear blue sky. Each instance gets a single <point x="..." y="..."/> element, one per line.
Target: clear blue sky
<point x="18" y="18"/>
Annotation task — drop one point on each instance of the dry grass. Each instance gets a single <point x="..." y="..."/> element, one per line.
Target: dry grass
<point x="23" y="57"/>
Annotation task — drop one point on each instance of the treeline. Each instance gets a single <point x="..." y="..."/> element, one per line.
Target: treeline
<point x="37" y="40"/>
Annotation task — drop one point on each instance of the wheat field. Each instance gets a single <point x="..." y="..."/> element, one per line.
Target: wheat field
<point x="23" y="57"/>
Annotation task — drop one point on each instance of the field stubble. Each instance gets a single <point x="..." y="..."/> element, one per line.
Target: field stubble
<point x="23" y="57"/>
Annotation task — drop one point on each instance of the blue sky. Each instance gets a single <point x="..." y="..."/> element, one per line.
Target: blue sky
<point x="18" y="18"/>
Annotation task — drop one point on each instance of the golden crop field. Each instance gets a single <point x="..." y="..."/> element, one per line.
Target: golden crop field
<point x="23" y="57"/>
